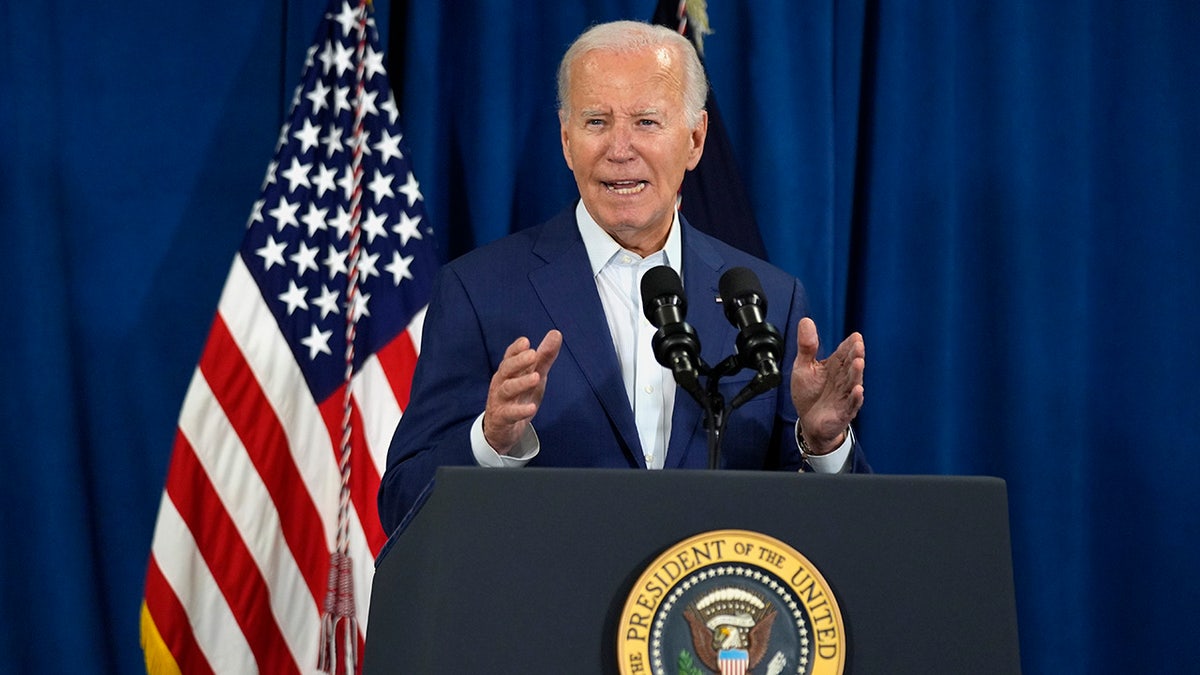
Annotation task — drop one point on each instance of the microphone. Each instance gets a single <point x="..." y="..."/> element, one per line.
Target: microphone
<point x="675" y="344"/>
<point x="759" y="344"/>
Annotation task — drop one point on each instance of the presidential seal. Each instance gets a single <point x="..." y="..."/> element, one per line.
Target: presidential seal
<point x="731" y="602"/>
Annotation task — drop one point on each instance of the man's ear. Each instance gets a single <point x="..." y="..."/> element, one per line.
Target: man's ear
<point x="699" y="134"/>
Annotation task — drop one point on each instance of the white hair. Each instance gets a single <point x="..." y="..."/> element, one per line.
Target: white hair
<point x="632" y="36"/>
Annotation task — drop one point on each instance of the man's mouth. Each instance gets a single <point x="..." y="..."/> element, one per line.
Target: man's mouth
<point x="625" y="187"/>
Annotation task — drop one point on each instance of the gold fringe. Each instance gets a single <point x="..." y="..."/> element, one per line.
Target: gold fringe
<point x="159" y="660"/>
<point x="697" y="11"/>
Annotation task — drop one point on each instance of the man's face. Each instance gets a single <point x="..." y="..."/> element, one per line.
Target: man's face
<point x="626" y="138"/>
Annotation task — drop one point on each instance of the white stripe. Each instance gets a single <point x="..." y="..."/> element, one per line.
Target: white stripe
<point x="212" y="623"/>
<point x="379" y="409"/>
<point x="416" y="328"/>
<point x="250" y="507"/>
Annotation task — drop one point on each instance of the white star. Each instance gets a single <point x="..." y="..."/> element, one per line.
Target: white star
<point x="347" y="183"/>
<point x="297" y="174"/>
<point x="381" y="186"/>
<point x="388" y="147"/>
<point x="307" y="136"/>
<point x="373" y="62"/>
<point x="318" y="96"/>
<point x="272" y="252"/>
<point x="366" y="265"/>
<point x="374" y="226"/>
<point x="399" y="267"/>
<point x="411" y="189"/>
<point x="341" y="100"/>
<point x="270" y="173"/>
<point x="389" y="106"/>
<point x="341" y="58"/>
<point x="368" y="103"/>
<point x="314" y="218"/>
<point x="324" y="180"/>
<point x="335" y="261"/>
<point x="284" y="214"/>
<point x="360" y="306"/>
<point x="326" y="58"/>
<point x="353" y="142"/>
<point x="305" y="258"/>
<point x="341" y="222"/>
<point x="347" y="17"/>
<point x="328" y="302"/>
<point x="308" y="57"/>
<point x="255" y="213"/>
<point x="294" y="297"/>
<point x="407" y="228"/>
<point x="333" y="140"/>
<point x="317" y="342"/>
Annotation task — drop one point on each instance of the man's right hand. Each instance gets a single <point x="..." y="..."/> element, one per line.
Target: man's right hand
<point x="516" y="390"/>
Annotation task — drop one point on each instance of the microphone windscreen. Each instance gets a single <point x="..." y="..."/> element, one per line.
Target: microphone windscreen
<point x="737" y="283"/>
<point x="658" y="282"/>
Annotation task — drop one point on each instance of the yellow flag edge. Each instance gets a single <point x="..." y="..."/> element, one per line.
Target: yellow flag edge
<point x="159" y="659"/>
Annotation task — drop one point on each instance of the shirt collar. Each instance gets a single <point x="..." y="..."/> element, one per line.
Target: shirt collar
<point x="601" y="247"/>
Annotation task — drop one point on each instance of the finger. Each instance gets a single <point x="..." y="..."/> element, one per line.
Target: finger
<point x="547" y="351"/>
<point x="807" y="341"/>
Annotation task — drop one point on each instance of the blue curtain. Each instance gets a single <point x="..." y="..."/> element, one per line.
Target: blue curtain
<point x="1001" y="196"/>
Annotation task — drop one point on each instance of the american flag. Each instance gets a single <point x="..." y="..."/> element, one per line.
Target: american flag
<point x="337" y="251"/>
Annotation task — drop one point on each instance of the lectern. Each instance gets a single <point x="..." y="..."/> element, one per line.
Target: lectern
<point x="529" y="571"/>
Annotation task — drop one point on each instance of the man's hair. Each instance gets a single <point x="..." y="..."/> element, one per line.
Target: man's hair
<point x="631" y="36"/>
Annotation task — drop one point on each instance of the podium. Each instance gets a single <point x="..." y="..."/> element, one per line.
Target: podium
<point x="528" y="571"/>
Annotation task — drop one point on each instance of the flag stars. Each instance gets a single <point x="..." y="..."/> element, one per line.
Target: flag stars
<point x="324" y="182"/>
<point x="327" y="301"/>
<point x="305" y="259"/>
<point x="333" y="140"/>
<point x="318" y="96"/>
<point x="388" y="147"/>
<point x="381" y="186"/>
<point x="366" y="265"/>
<point x="307" y="136"/>
<point x="317" y="342"/>
<point x="368" y="103"/>
<point x="348" y="18"/>
<point x="272" y="253"/>
<point x="341" y="222"/>
<point x="373" y="226"/>
<point x="411" y="189"/>
<point x="341" y="100"/>
<point x="314" y="218"/>
<point x="373" y="62"/>
<point x="285" y="214"/>
<point x="399" y="267"/>
<point x="297" y="174"/>
<point x="294" y="297"/>
<point x="407" y="228"/>
<point x="335" y="261"/>
<point x="389" y="107"/>
<point x="360" y="306"/>
<point x="341" y="59"/>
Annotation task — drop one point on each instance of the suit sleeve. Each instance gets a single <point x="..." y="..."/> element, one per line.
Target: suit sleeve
<point x="449" y="391"/>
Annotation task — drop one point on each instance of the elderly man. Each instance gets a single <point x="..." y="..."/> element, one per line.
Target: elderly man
<point x="591" y="394"/>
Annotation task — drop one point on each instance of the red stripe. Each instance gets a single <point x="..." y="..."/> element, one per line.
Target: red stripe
<point x="252" y="417"/>
<point x="364" y="479"/>
<point x="399" y="359"/>
<point x="171" y="620"/>
<point x="228" y="559"/>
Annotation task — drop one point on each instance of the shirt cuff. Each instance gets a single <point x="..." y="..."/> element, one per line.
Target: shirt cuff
<point x="485" y="455"/>
<point x="834" y="462"/>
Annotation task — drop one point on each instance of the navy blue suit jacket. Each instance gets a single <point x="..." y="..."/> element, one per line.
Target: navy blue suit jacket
<point x="539" y="279"/>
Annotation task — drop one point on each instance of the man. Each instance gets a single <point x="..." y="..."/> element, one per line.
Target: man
<point x="590" y="394"/>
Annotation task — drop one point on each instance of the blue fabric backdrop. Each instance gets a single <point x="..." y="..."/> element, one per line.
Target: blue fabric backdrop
<point x="1001" y="196"/>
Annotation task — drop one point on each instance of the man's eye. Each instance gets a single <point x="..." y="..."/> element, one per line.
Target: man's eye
<point x="593" y="123"/>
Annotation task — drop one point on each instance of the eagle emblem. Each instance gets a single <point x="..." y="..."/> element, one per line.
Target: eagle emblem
<point x="729" y="620"/>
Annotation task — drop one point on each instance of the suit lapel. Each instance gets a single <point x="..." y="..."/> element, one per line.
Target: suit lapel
<point x="568" y="292"/>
